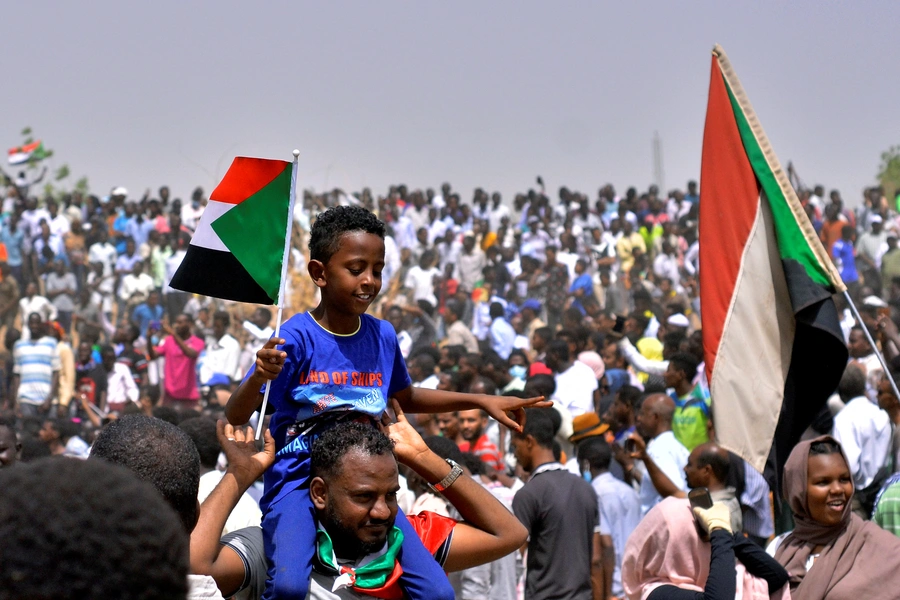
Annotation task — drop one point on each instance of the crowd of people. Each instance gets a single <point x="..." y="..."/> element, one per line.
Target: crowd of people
<point x="589" y="303"/>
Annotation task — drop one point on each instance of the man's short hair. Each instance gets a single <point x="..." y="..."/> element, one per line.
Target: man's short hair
<point x="596" y="452"/>
<point x="559" y="349"/>
<point x="100" y="533"/>
<point x="539" y="426"/>
<point x="202" y="431"/>
<point x="445" y="448"/>
<point x="331" y="446"/>
<point x="631" y="396"/>
<point x="159" y="453"/>
<point x="718" y="460"/>
<point x="221" y="315"/>
<point x="331" y="225"/>
<point x="852" y="384"/>
<point x="686" y="363"/>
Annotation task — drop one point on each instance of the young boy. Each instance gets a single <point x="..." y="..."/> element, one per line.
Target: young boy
<point x="339" y="364"/>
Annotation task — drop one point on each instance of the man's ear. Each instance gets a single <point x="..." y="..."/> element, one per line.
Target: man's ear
<point x="316" y="269"/>
<point x="318" y="492"/>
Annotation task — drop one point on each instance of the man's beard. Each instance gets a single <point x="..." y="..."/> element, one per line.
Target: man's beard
<point x="344" y="536"/>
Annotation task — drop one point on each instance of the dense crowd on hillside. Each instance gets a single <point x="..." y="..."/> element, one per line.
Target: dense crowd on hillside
<point x="589" y="301"/>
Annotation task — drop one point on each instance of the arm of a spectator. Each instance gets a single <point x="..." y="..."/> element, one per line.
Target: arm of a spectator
<point x="665" y="486"/>
<point x="608" y="557"/>
<point x="421" y="400"/>
<point x="597" y="575"/>
<point x="246" y="398"/>
<point x="639" y="361"/>
<point x="760" y="564"/>
<point x="490" y="531"/>
<point x="245" y="465"/>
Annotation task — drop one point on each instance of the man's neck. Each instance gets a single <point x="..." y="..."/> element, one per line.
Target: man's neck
<point x="683" y="389"/>
<point x="543" y="456"/>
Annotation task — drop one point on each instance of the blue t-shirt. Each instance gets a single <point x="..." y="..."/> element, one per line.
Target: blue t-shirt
<point x="324" y="374"/>
<point x="845" y="259"/>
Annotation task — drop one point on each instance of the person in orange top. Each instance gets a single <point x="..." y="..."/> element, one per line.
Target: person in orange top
<point x="831" y="227"/>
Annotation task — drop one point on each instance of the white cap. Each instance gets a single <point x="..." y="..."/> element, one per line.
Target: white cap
<point x="119" y="191"/>
<point x="678" y="320"/>
<point x="874" y="302"/>
<point x="875" y="219"/>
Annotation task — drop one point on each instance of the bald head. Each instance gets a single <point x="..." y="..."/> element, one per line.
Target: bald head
<point x="708" y="466"/>
<point x="655" y="416"/>
<point x="662" y="406"/>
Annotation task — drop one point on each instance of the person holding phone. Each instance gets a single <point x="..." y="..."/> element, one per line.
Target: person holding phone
<point x="666" y="558"/>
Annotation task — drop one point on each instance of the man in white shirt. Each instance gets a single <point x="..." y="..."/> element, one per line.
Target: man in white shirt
<point x="458" y="334"/>
<point x="121" y="388"/>
<point x="469" y="263"/>
<point x="576" y="386"/>
<point x="502" y="334"/>
<point x="223" y="352"/>
<point x="31" y="303"/>
<point x="864" y="432"/>
<point x="175" y="299"/>
<point x="136" y="286"/>
<point x="258" y="333"/>
<point x="664" y="457"/>
<point x="103" y="252"/>
<point x="420" y="279"/>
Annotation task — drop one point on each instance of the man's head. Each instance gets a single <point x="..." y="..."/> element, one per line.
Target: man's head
<point x="159" y="453"/>
<point x="448" y="423"/>
<point x="261" y="317"/>
<point x="655" y="416"/>
<point x="594" y="455"/>
<point x="853" y="383"/>
<point x="36" y="326"/>
<point x="183" y="326"/>
<point x="472" y="424"/>
<point x="681" y="370"/>
<point x="557" y="358"/>
<point x="108" y="357"/>
<point x="100" y="534"/>
<point x="221" y="323"/>
<point x="353" y="487"/>
<point x="708" y="467"/>
<point x="622" y="411"/>
<point x="858" y="345"/>
<point x="535" y="440"/>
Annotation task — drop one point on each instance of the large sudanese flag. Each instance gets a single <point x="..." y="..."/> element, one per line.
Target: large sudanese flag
<point x="237" y="250"/>
<point x="772" y="340"/>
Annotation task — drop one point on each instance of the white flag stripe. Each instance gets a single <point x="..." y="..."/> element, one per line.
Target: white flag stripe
<point x="205" y="237"/>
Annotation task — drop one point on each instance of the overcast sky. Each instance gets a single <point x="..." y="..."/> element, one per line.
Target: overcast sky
<point x="484" y="94"/>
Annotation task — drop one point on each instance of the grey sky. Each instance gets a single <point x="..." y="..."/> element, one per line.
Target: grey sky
<point x="476" y="93"/>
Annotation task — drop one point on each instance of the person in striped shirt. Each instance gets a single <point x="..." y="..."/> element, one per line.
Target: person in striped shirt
<point x="35" y="370"/>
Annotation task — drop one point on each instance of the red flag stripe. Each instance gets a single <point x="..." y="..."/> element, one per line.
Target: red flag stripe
<point x="245" y="177"/>
<point x="729" y="203"/>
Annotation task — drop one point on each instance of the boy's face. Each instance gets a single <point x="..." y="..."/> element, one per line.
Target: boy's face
<point x="351" y="278"/>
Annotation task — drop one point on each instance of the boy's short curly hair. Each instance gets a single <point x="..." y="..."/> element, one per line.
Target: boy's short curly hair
<point x="331" y="446"/>
<point x="100" y="533"/>
<point x="325" y="236"/>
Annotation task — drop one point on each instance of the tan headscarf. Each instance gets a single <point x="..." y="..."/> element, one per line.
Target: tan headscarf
<point x="859" y="560"/>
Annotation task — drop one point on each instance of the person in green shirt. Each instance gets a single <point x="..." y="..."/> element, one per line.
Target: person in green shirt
<point x="691" y="422"/>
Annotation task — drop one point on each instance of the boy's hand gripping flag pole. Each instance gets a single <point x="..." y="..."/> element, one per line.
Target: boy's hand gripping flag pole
<point x="284" y="270"/>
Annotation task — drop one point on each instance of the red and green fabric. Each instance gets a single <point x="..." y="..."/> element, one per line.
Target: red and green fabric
<point x="236" y="252"/>
<point x="772" y="341"/>
<point x="379" y="576"/>
<point x="23" y="154"/>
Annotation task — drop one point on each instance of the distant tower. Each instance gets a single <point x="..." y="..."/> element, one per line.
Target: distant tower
<point x="659" y="175"/>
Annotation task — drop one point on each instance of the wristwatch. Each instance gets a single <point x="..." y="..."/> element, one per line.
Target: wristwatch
<point x="453" y="475"/>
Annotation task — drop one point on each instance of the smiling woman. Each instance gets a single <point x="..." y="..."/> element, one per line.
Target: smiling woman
<point x="852" y="558"/>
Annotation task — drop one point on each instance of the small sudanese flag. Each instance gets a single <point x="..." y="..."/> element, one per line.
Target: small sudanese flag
<point x="22" y="154"/>
<point x="237" y="251"/>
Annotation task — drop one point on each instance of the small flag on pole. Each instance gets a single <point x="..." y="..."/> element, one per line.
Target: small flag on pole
<point x="240" y="243"/>
<point x="772" y="341"/>
<point x="22" y="154"/>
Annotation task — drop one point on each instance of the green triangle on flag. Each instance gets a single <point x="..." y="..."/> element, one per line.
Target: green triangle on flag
<point x="254" y="232"/>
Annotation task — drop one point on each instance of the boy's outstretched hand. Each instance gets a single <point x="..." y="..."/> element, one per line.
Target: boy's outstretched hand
<point x="270" y="360"/>
<point x="510" y="411"/>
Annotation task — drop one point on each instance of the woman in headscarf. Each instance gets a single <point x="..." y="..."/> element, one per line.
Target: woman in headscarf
<point x="832" y="554"/>
<point x="665" y="559"/>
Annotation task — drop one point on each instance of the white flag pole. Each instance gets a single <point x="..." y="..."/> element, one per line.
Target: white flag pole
<point x="284" y="271"/>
